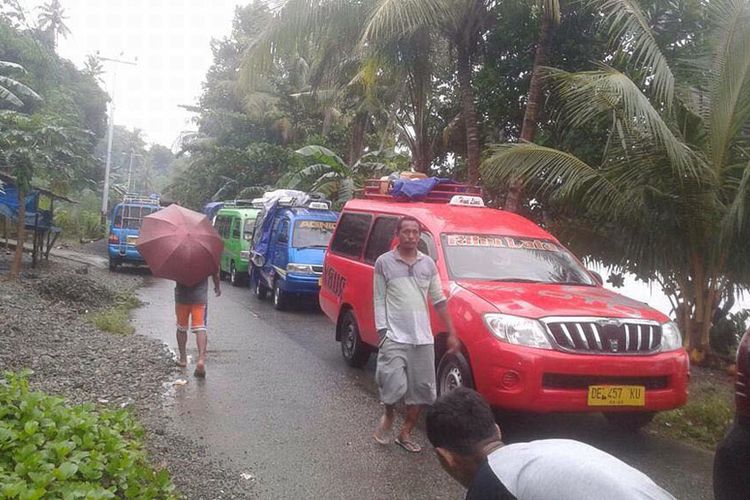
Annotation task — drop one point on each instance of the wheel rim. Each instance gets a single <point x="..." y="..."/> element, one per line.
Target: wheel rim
<point x="233" y="274"/>
<point x="347" y="343"/>
<point x="257" y="286"/>
<point x="276" y="295"/>
<point x="453" y="379"/>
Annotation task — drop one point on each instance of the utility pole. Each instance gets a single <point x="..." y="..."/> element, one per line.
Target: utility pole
<point x="110" y="132"/>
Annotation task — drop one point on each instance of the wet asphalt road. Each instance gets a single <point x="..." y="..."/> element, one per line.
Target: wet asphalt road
<point x="280" y="403"/>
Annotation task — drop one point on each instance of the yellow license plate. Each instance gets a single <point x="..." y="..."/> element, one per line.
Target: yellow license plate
<point x="320" y="281"/>
<point x="132" y="240"/>
<point x="617" y="395"/>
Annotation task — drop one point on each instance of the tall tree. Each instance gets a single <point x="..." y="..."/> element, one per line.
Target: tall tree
<point x="51" y="21"/>
<point x="462" y="23"/>
<point x="670" y="199"/>
<point x="550" y="14"/>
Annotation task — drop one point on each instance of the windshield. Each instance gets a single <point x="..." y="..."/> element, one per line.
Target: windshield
<point x="505" y="258"/>
<point x="131" y="216"/>
<point x="312" y="233"/>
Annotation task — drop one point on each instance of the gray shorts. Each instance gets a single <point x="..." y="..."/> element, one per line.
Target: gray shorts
<point x="406" y="371"/>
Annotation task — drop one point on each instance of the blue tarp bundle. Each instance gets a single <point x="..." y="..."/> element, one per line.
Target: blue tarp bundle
<point x="264" y="222"/>
<point x="415" y="189"/>
<point x="9" y="206"/>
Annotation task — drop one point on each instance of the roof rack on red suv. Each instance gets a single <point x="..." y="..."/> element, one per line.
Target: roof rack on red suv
<point x="376" y="189"/>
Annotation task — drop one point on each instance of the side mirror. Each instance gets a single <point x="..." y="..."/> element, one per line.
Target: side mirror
<point x="258" y="260"/>
<point x="283" y="238"/>
<point x="597" y="277"/>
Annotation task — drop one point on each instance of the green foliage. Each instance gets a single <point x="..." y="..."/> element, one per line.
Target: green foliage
<point x="706" y="417"/>
<point x="49" y="449"/>
<point x="116" y="318"/>
<point x="726" y="332"/>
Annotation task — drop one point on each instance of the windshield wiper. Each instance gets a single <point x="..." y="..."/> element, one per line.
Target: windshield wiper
<point x="311" y="246"/>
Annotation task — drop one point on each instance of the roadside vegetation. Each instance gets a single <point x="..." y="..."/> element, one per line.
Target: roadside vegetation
<point x="116" y="318"/>
<point x="706" y="418"/>
<point x="50" y="449"/>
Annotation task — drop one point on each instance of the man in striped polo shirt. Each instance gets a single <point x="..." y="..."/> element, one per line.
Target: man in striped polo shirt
<point x="405" y="280"/>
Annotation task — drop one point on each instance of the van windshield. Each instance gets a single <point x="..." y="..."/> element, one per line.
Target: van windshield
<point x="131" y="216"/>
<point x="312" y="233"/>
<point x="512" y="259"/>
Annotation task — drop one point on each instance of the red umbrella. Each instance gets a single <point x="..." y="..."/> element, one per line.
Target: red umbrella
<point x="180" y="245"/>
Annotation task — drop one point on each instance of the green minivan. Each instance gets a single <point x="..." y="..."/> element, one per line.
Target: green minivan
<point x="235" y="226"/>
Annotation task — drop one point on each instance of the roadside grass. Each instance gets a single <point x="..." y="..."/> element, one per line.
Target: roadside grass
<point x="116" y="319"/>
<point x="50" y="449"/>
<point x="705" y="419"/>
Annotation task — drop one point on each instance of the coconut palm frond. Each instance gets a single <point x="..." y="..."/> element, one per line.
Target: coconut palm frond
<point x="729" y="85"/>
<point x="591" y="94"/>
<point x="397" y="17"/>
<point x="19" y="88"/>
<point x="555" y="174"/>
<point x="630" y="30"/>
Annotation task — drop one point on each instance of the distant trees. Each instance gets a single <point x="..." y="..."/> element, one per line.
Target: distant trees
<point x="51" y="22"/>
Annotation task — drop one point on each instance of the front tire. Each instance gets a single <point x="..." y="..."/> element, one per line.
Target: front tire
<point x="630" y="421"/>
<point x="259" y="289"/>
<point x="355" y="352"/>
<point x="453" y="372"/>
<point x="279" y="297"/>
<point x="234" y="278"/>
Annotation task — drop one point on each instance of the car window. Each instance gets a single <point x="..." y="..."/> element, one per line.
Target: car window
<point x="283" y="230"/>
<point x="381" y="237"/>
<point x="236" y="222"/>
<point x="248" y="230"/>
<point x="426" y="245"/>
<point x="350" y="236"/>
<point x="312" y="233"/>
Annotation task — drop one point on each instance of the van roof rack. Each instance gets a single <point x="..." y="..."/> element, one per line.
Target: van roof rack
<point x="243" y="204"/>
<point x="376" y="189"/>
<point x="139" y="199"/>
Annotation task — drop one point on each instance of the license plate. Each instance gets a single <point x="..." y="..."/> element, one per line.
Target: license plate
<point x="617" y="395"/>
<point x="320" y="281"/>
<point x="132" y="240"/>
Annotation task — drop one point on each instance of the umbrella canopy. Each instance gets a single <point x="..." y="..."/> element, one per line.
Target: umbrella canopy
<point x="180" y="245"/>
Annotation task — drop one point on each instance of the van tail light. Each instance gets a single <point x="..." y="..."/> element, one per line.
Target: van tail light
<point x="114" y="239"/>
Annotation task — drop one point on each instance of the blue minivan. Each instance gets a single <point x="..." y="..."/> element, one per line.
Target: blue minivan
<point x="125" y="226"/>
<point x="291" y="263"/>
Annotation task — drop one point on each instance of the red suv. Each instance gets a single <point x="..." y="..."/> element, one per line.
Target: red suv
<point x="539" y="333"/>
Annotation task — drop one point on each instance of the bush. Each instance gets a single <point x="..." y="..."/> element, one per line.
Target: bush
<point x="50" y="449"/>
<point x="116" y="319"/>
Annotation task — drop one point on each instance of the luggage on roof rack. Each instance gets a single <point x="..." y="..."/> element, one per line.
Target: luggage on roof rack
<point x="377" y="189"/>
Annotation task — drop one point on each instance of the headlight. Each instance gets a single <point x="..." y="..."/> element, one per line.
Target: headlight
<point x="517" y="330"/>
<point x="671" y="339"/>
<point x="299" y="269"/>
<point x="244" y="256"/>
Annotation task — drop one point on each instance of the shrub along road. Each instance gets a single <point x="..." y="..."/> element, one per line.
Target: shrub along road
<point x="280" y="403"/>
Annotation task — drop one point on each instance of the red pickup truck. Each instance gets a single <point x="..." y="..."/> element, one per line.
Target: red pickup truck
<point x="539" y="333"/>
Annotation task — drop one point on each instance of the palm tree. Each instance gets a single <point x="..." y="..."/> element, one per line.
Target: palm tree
<point x="11" y="90"/>
<point x="669" y="201"/>
<point x="550" y="18"/>
<point x="461" y="23"/>
<point x="51" y="21"/>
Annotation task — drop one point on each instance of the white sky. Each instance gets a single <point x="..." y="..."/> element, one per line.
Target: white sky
<point x="170" y="38"/>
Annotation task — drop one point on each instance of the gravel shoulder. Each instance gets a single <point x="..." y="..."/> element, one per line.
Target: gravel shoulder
<point x="44" y="329"/>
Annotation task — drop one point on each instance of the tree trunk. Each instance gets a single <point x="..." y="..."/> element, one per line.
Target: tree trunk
<point x="15" y="268"/>
<point x="533" y="104"/>
<point x="357" y="138"/>
<point x="469" y="113"/>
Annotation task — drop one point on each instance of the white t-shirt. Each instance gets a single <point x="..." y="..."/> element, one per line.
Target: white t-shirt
<point x="563" y="469"/>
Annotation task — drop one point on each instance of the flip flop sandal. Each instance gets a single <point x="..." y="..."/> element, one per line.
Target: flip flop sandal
<point x="408" y="445"/>
<point x="200" y="373"/>
<point x="380" y="439"/>
<point x="181" y="364"/>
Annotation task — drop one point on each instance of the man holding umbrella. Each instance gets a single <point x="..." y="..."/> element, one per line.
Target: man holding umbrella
<point x="183" y="246"/>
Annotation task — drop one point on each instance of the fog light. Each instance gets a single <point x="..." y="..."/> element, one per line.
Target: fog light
<point x="510" y="379"/>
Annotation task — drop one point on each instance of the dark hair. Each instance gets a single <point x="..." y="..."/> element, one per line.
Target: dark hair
<point x="406" y="218"/>
<point x="459" y="421"/>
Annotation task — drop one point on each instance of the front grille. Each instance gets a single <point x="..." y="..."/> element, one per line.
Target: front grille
<point x="562" y="381"/>
<point x="317" y="269"/>
<point x="605" y="336"/>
